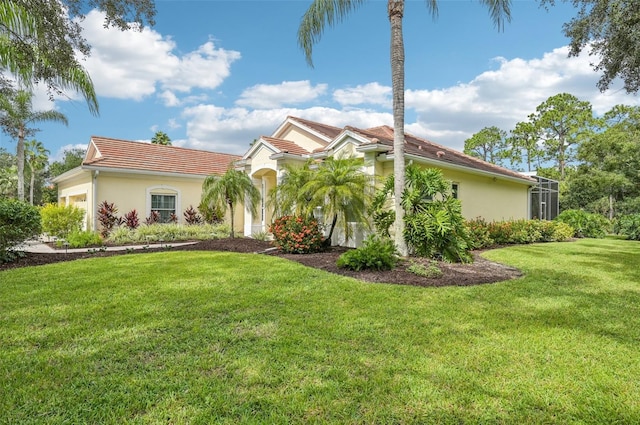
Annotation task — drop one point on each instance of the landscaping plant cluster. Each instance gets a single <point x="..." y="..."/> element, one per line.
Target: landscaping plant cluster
<point x="297" y="235"/>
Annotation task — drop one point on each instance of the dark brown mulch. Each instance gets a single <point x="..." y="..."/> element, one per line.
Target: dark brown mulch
<point x="479" y="272"/>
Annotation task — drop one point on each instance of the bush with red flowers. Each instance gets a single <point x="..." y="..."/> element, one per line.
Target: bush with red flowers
<point x="297" y="235"/>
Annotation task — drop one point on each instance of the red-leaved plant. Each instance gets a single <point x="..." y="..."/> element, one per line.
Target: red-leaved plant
<point x="108" y="218"/>
<point x="191" y="216"/>
<point x="297" y="235"/>
<point x="131" y="220"/>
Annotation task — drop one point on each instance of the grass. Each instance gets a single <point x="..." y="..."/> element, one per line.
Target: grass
<point x="184" y="337"/>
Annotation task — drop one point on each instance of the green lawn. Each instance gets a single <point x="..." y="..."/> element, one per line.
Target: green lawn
<point x="184" y="337"/>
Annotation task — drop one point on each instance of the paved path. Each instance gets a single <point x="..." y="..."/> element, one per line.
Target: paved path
<point x="43" y="248"/>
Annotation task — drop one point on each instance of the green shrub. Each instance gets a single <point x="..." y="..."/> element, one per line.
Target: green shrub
<point x="82" y="239"/>
<point x="60" y="221"/>
<point x="297" y="235"/>
<point x="19" y="222"/>
<point x="432" y="271"/>
<point x="483" y="234"/>
<point x="478" y="233"/>
<point x="585" y="225"/>
<point x="376" y="253"/>
<point x="629" y="225"/>
<point x="168" y="232"/>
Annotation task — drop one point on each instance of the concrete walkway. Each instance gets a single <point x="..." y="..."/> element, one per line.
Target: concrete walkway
<point x="40" y="247"/>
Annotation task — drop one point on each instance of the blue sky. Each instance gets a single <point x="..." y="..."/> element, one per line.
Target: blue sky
<point x="216" y="75"/>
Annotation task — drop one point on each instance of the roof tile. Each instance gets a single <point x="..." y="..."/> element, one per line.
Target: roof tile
<point x="130" y="155"/>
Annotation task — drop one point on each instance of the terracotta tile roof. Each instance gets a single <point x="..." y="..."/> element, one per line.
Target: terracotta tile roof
<point x="285" y="146"/>
<point x="129" y="155"/>
<point x="429" y="150"/>
<point x="328" y="130"/>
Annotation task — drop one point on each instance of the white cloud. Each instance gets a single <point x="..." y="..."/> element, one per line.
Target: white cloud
<point x="59" y="154"/>
<point x="505" y="96"/>
<point x="133" y="64"/>
<point x="232" y="130"/>
<point x="277" y="95"/>
<point x="367" y="94"/>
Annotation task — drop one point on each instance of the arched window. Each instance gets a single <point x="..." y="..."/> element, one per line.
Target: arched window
<point x="165" y="200"/>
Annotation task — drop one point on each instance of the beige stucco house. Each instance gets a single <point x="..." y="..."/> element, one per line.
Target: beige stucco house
<point x="485" y="190"/>
<point x="145" y="177"/>
<point x="140" y="176"/>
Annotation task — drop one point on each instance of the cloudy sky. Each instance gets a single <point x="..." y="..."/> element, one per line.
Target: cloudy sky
<point x="216" y="75"/>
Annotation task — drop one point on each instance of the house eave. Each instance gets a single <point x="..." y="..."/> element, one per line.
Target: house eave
<point x="440" y="164"/>
<point x="285" y="155"/>
<point x="144" y="172"/>
<point x="74" y="172"/>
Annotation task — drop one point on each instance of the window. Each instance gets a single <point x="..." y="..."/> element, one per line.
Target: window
<point x="165" y="205"/>
<point x="454" y="190"/>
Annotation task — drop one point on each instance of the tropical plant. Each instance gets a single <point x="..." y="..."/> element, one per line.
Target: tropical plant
<point x="36" y="157"/>
<point x="108" y="218"/>
<point x="82" y="239"/>
<point x="19" y="222"/>
<point x="341" y="189"/>
<point x="229" y="189"/>
<point x="376" y="253"/>
<point x="154" y="218"/>
<point x="191" y="216"/>
<point x="434" y="223"/>
<point x="323" y="12"/>
<point x="161" y="138"/>
<point x="16" y="116"/>
<point x="131" y="220"/>
<point x="289" y="196"/>
<point x="60" y="220"/>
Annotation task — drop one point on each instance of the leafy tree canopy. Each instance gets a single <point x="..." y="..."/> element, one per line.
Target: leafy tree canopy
<point x="610" y="29"/>
<point x="39" y="39"/>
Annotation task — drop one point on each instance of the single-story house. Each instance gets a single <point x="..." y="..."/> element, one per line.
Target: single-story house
<point x="141" y="176"/>
<point x="154" y="177"/>
<point x="485" y="190"/>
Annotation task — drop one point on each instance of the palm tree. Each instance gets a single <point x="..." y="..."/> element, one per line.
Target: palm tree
<point x="227" y="190"/>
<point x="339" y="187"/>
<point x="36" y="157"/>
<point x="323" y="12"/>
<point x="18" y="28"/>
<point x="288" y="197"/>
<point x="16" y="115"/>
<point x="161" y="138"/>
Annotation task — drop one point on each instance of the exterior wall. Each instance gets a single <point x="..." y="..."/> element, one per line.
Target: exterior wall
<point x="301" y="138"/>
<point x="77" y="192"/>
<point x="483" y="196"/>
<point x="348" y="150"/>
<point x="133" y="191"/>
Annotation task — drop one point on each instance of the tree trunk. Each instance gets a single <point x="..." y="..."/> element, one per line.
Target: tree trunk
<point x="327" y="241"/>
<point x="396" y="12"/>
<point x="610" y="207"/>
<point x="32" y="183"/>
<point x="20" y="158"/>
<point x="232" y="220"/>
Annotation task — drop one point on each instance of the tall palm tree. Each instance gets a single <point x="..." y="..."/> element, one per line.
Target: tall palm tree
<point x="36" y="157"/>
<point x="339" y="187"/>
<point x="19" y="27"/>
<point x="161" y="138"/>
<point x="228" y="190"/>
<point x="16" y="116"/>
<point x="323" y="12"/>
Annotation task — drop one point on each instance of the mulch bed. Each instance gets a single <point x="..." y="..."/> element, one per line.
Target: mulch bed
<point x="479" y="272"/>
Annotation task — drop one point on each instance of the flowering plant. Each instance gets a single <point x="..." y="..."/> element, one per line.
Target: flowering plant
<point x="296" y="235"/>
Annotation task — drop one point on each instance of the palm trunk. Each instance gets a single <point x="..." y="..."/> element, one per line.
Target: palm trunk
<point x="327" y="241"/>
<point x="396" y="12"/>
<point x="32" y="182"/>
<point x="232" y="220"/>
<point x="20" y="158"/>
